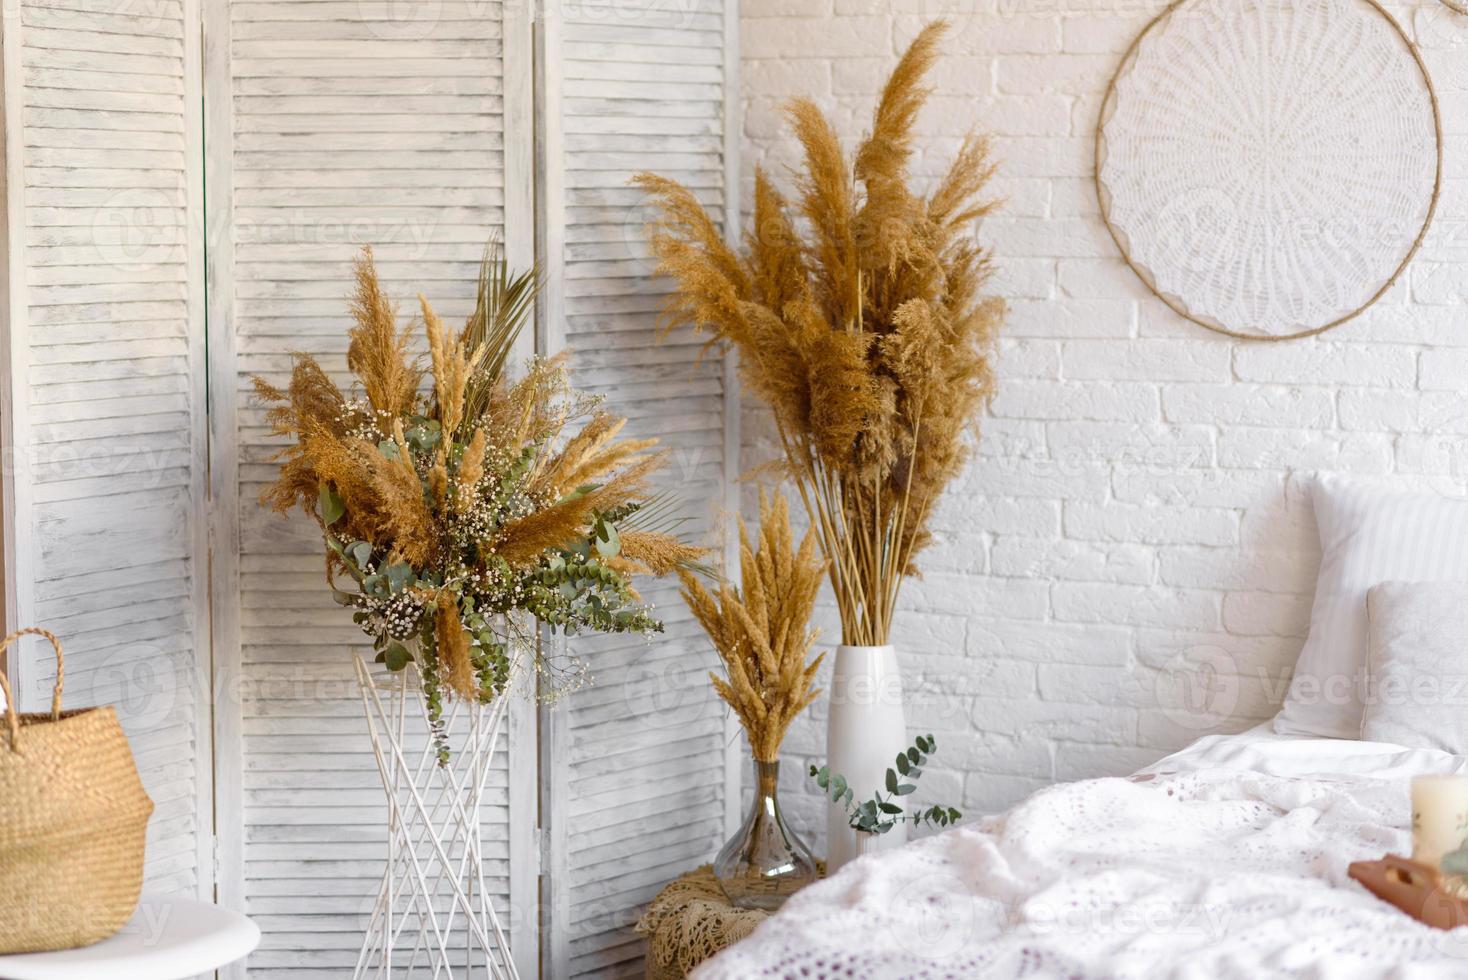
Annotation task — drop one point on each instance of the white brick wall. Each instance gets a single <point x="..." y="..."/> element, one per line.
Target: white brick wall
<point x="1137" y="503"/>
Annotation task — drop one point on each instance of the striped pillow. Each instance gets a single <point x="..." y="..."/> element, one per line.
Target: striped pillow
<point x="1367" y="535"/>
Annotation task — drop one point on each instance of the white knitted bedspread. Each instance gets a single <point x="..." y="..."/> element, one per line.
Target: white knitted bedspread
<point x="1209" y="874"/>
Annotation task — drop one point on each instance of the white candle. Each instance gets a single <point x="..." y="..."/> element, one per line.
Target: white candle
<point x="1439" y="816"/>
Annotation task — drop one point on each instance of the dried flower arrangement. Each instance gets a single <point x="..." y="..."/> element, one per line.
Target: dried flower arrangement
<point x="457" y="512"/>
<point x="762" y="635"/>
<point x="869" y="337"/>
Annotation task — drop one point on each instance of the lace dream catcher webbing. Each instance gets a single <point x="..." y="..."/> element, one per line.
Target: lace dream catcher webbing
<point x="1269" y="167"/>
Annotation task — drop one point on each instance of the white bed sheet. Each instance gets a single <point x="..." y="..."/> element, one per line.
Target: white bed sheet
<point x="1261" y="749"/>
<point x="1225" y="860"/>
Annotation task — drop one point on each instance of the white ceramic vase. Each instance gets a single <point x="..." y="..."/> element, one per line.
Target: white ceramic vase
<point x="865" y="730"/>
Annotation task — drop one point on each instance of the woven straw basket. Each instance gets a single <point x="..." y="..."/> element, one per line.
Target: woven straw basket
<point x="72" y="818"/>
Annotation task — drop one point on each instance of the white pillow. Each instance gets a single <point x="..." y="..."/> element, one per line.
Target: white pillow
<point x="1417" y="665"/>
<point x="1367" y="535"/>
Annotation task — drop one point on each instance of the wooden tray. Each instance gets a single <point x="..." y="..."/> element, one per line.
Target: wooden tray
<point x="1416" y="889"/>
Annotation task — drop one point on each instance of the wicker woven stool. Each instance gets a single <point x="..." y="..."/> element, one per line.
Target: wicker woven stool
<point x="690" y="921"/>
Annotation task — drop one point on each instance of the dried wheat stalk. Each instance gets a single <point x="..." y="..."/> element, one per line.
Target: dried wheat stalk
<point x="762" y="633"/>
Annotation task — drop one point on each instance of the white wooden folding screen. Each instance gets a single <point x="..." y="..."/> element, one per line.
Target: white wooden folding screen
<point x="638" y="787"/>
<point x="142" y="161"/>
<point x="334" y="125"/>
<point x="105" y="413"/>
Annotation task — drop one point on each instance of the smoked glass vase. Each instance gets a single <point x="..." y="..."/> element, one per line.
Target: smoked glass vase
<point x="764" y="863"/>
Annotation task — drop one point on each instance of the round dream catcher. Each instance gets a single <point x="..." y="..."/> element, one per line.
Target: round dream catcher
<point x="1269" y="167"/>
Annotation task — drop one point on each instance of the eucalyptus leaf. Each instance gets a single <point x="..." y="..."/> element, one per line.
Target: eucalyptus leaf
<point x="608" y="541"/>
<point x="333" y="508"/>
<point x="1456" y="862"/>
<point x="399" y="574"/>
<point x="424" y="435"/>
<point x="396" y="656"/>
<point x="580" y="491"/>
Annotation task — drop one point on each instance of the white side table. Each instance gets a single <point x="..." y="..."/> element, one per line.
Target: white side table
<point x="166" y="939"/>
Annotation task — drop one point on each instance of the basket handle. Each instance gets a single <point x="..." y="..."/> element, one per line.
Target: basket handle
<point x="12" y="710"/>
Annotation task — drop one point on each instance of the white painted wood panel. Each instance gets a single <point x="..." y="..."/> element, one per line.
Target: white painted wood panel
<point x="346" y="124"/>
<point x="107" y="396"/>
<point x="318" y="126"/>
<point x="639" y="783"/>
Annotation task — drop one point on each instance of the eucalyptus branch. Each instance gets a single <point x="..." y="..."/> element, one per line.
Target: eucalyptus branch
<point x="878" y="814"/>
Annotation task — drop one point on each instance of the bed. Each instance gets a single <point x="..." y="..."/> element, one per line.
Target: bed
<point x="1227" y="859"/>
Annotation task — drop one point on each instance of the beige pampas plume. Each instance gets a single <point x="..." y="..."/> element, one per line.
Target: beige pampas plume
<point x="864" y="328"/>
<point x="378" y="353"/>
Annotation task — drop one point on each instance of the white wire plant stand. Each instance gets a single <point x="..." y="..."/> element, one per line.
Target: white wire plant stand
<point x="433" y="915"/>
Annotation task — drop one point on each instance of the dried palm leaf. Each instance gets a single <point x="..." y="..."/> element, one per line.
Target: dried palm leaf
<point x="503" y="305"/>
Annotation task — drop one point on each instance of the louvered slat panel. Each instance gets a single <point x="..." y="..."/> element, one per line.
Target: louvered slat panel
<point x="112" y="337"/>
<point x="351" y="124"/>
<point x="642" y="750"/>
